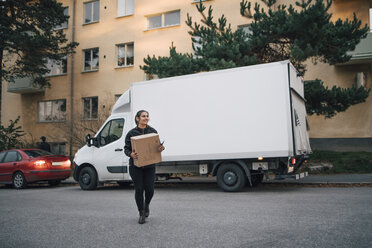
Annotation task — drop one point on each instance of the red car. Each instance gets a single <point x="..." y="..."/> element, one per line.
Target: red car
<point x="22" y="166"/>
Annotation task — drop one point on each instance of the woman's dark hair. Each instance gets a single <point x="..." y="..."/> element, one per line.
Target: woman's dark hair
<point x="139" y="114"/>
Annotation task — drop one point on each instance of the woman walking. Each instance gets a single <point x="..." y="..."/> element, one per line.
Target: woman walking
<point x="143" y="177"/>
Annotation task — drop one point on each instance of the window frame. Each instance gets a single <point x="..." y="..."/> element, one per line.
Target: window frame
<point x="50" y="121"/>
<point x="126" y="57"/>
<point x="246" y="28"/>
<point x="53" y="145"/>
<point x="55" y="64"/>
<point x="19" y="157"/>
<point x="65" y="24"/>
<point x="162" y="24"/>
<point x="125" y="4"/>
<point x="92" y="13"/>
<point x="99" y="136"/>
<point x="91" y="59"/>
<point x="90" y="109"/>
<point x="2" y="158"/>
<point x="370" y="20"/>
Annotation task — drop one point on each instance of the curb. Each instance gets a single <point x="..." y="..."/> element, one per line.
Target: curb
<point x="320" y="184"/>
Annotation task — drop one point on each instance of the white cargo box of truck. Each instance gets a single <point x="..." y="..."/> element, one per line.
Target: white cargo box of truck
<point x="246" y="120"/>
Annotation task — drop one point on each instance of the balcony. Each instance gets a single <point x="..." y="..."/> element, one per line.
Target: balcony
<point x="24" y="86"/>
<point x="363" y="51"/>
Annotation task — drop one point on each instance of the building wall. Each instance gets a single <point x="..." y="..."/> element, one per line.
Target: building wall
<point x="356" y="122"/>
<point x="109" y="80"/>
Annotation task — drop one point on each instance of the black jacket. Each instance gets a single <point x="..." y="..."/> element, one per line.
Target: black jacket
<point x="44" y="146"/>
<point x="135" y="132"/>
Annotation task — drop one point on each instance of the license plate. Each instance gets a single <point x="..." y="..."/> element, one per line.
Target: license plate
<point x="262" y="165"/>
<point x="57" y="163"/>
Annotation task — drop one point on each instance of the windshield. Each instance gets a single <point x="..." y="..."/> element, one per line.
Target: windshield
<point x="36" y="153"/>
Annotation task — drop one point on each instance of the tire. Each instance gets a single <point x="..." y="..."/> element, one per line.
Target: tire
<point x="88" y="178"/>
<point x="19" y="180"/>
<point x="257" y="179"/>
<point x="231" y="178"/>
<point x="54" y="182"/>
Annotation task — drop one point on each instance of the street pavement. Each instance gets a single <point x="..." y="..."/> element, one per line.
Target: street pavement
<point x="187" y="215"/>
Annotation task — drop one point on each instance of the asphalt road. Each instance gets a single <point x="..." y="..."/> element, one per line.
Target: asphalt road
<point x="187" y="216"/>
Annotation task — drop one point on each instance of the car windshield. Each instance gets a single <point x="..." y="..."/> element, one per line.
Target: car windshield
<point x="36" y="153"/>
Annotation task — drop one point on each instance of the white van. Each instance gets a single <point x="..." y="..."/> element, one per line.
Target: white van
<point x="236" y="124"/>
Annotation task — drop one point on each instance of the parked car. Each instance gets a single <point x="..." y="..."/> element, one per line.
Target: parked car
<point x="21" y="166"/>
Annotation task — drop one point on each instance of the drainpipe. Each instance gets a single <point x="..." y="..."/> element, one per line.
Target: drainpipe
<point x="72" y="79"/>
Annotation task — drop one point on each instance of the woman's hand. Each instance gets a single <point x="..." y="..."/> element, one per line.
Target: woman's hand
<point x="134" y="155"/>
<point x="161" y="148"/>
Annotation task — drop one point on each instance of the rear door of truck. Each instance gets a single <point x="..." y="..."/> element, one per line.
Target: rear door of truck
<point x="299" y="120"/>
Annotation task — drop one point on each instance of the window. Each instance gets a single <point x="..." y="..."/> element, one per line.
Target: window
<point x="57" y="67"/>
<point x="51" y="111"/>
<point x="58" y="148"/>
<point x="117" y="97"/>
<point x="2" y="155"/>
<point x="125" y="7"/>
<point x="164" y="20"/>
<point x="37" y="153"/>
<point x="125" y="54"/>
<point x="65" y="24"/>
<point x="370" y="20"/>
<point x="111" y="132"/>
<point x="91" y="13"/>
<point x="197" y="45"/>
<point x="90" y="108"/>
<point x="12" y="156"/>
<point x="91" y="59"/>
<point x="246" y="29"/>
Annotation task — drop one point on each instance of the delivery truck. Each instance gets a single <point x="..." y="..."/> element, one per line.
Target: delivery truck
<point x="236" y="124"/>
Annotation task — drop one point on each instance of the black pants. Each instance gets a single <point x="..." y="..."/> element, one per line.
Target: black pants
<point x="144" y="179"/>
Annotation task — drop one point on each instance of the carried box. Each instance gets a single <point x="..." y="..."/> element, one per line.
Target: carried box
<point x="147" y="148"/>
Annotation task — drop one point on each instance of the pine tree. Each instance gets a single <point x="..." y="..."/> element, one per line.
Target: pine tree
<point x="28" y="38"/>
<point x="274" y="36"/>
<point x="9" y="136"/>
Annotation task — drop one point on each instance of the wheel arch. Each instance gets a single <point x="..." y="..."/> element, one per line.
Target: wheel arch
<point x="82" y="166"/>
<point x="14" y="172"/>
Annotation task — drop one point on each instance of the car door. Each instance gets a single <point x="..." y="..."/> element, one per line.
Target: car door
<point x="8" y="165"/>
<point x="109" y="156"/>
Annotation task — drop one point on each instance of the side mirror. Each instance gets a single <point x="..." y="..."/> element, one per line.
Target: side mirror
<point x="88" y="140"/>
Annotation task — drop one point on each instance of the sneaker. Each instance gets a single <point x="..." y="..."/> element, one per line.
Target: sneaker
<point x="142" y="218"/>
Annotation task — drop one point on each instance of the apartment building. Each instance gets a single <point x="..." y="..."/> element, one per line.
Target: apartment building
<point x="115" y="35"/>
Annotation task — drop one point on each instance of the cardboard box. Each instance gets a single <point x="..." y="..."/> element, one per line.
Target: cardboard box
<point x="147" y="148"/>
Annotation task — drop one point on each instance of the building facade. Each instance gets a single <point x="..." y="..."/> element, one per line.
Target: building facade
<point x="115" y="36"/>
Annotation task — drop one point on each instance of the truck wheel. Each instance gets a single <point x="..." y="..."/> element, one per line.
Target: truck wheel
<point x="88" y="178"/>
<point x="19" y="180"/>
<point x="230" y="178"/>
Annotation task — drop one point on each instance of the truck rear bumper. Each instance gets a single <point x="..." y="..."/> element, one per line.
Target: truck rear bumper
<point x="291" y="176"/>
